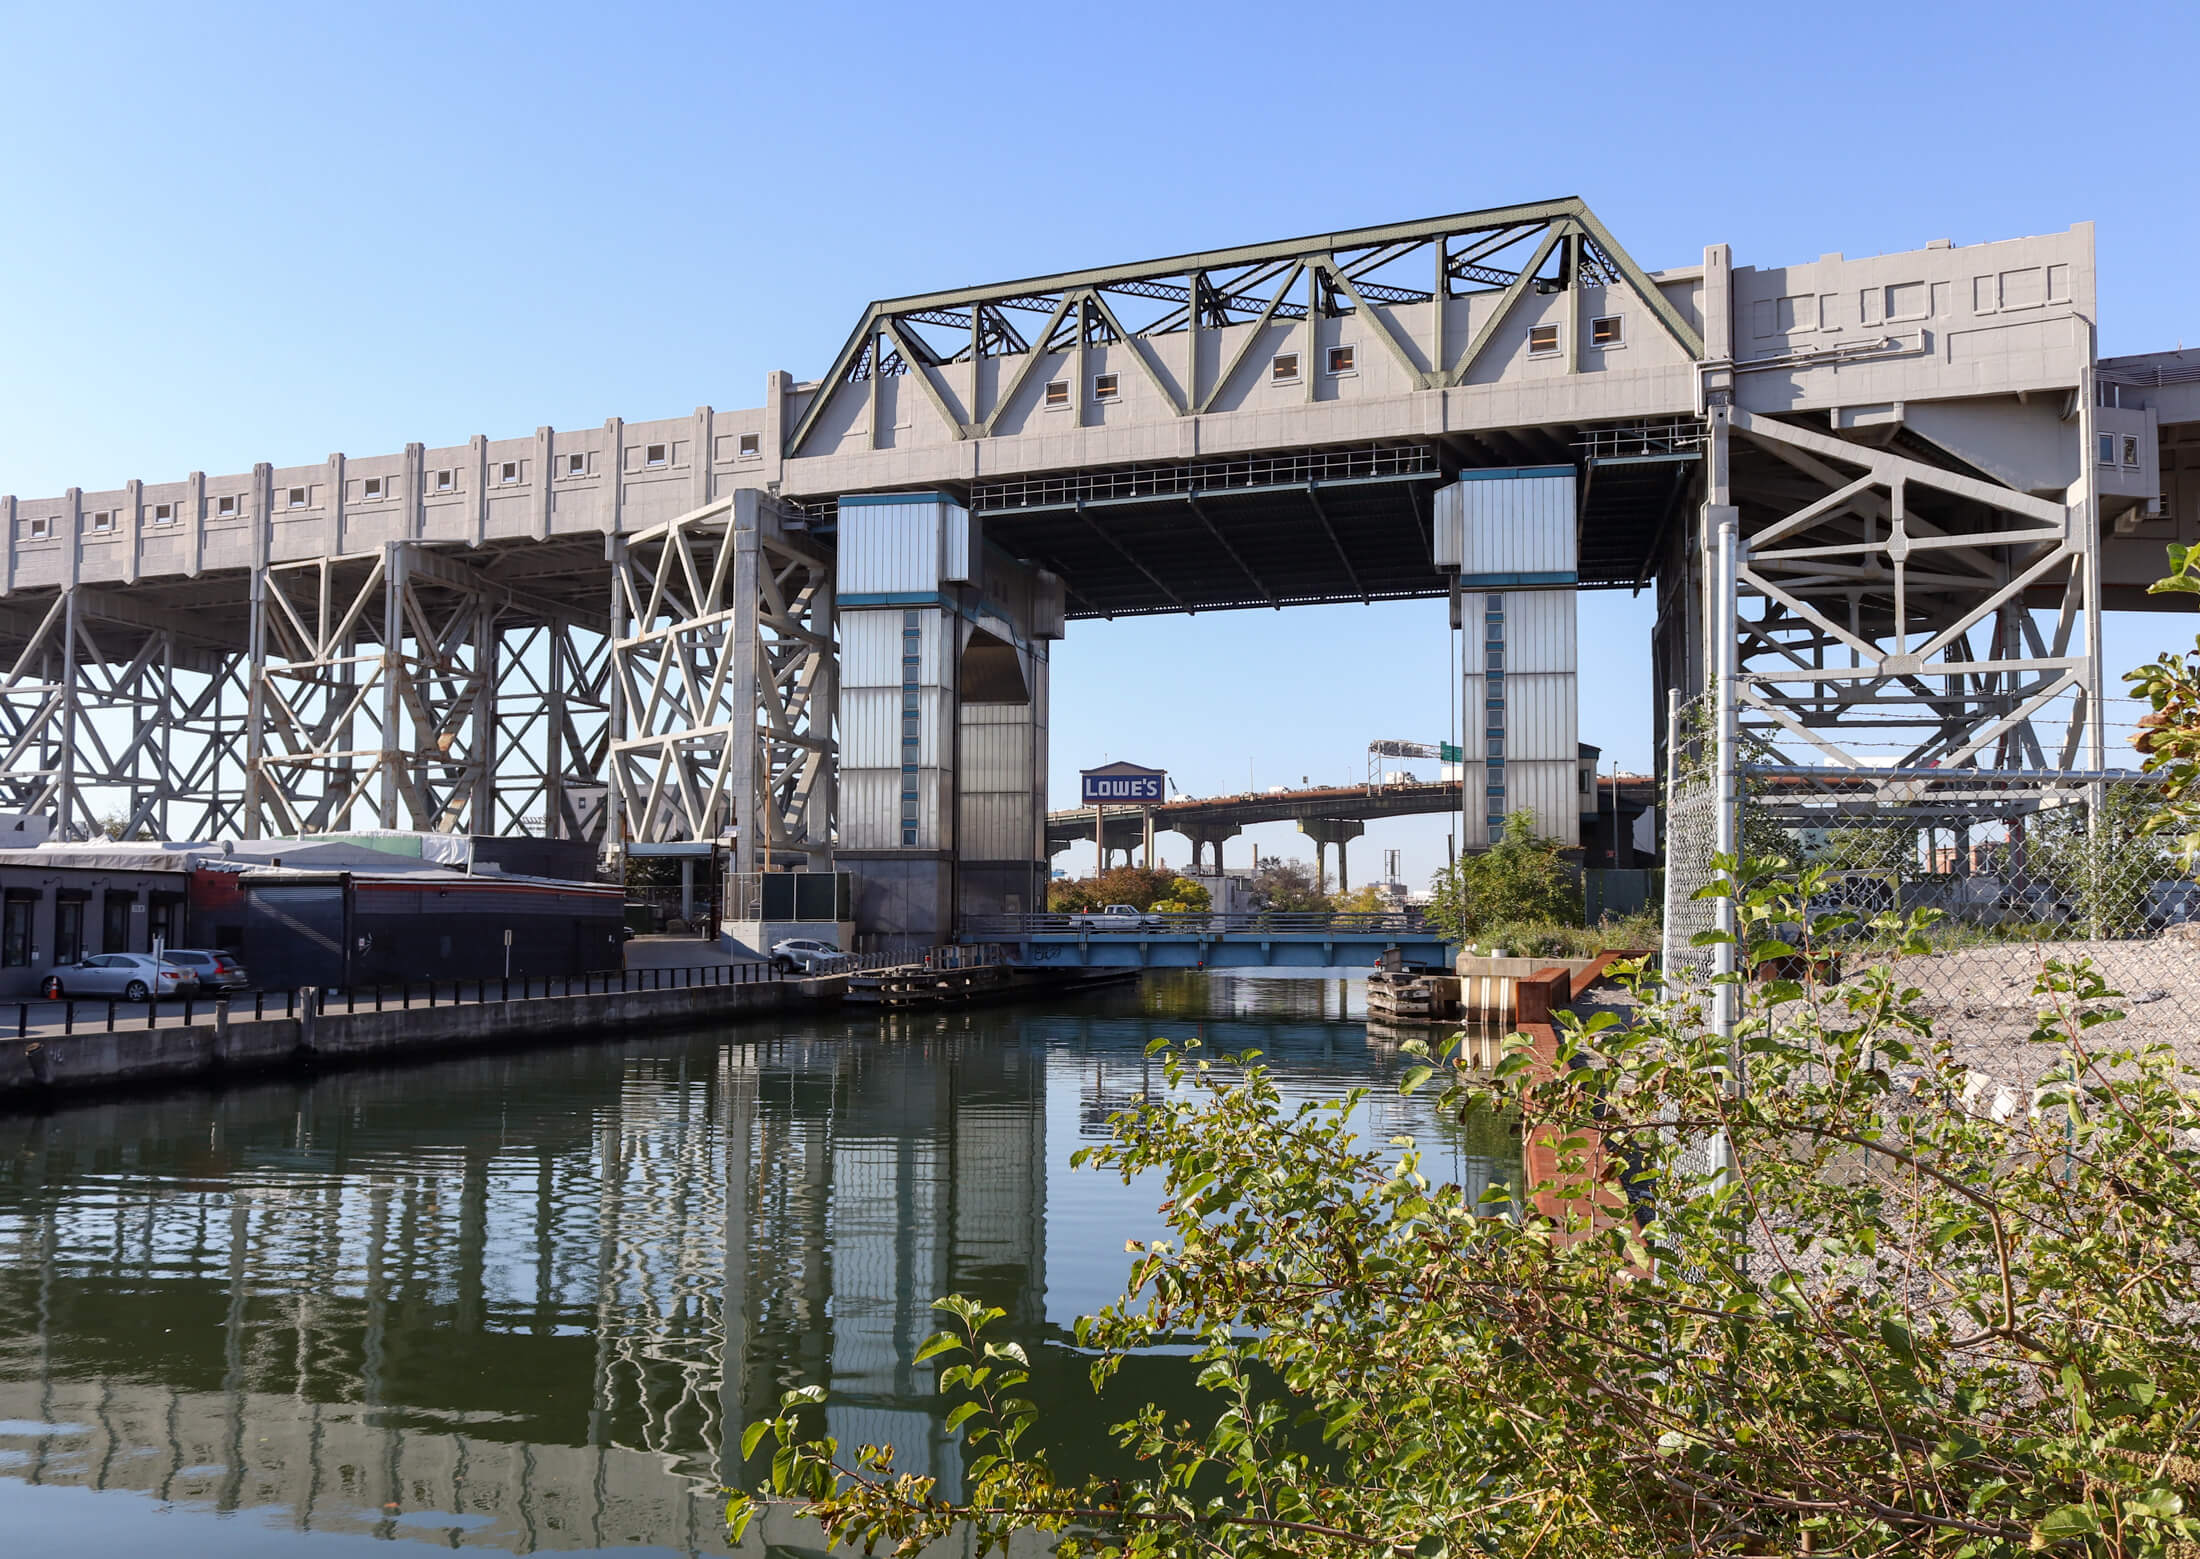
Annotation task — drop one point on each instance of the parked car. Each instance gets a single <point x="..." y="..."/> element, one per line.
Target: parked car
<point x="1116" y="917"/>
<point x="806" y="955"/>
<point x="132" y="976"/>
<point x="217" y="971"/>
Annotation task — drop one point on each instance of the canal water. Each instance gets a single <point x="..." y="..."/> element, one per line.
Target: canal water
<point x="525" y="1302"/>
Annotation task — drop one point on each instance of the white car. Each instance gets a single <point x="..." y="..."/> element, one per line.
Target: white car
<point x="1116" y="917"/>
<point x="806" y="955"/>
<point x="132" y="976"/>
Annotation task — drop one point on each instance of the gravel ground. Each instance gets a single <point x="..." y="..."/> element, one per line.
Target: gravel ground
<point x="1981" y="1000"/>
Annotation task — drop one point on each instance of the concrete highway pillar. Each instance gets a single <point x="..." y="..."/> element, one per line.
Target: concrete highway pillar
<point x="1326" y="831"/>
<point x="1207" y="837"/>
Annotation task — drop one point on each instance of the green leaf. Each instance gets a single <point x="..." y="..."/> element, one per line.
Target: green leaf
<point x="1415" y="1077"/>
<point x="2068" y="1521"/>
<point x="753" y="1436"/>
<point x="937" y="1344"/>
<point x="740" y="1511"/>
<point x="963" y="1414"/>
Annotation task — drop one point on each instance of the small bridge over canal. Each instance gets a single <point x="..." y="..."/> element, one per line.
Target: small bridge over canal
<point x="1271" y="939"/>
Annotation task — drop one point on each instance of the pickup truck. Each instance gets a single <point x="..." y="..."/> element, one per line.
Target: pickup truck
<point x="1116" y="917"/>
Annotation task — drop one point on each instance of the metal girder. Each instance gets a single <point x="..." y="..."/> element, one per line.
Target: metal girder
<point x="1249" y="283"/>
<point x="124" y="718"/>
<point x="724" y="683"/>
<point x="1884" y="619"/>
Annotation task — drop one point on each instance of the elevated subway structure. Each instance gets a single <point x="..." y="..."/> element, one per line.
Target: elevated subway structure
<point x="821" y="628"/>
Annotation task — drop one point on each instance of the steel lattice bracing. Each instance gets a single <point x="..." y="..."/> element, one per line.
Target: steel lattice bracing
<point x="375" y="687"/>
<point x="115" y="714"/>
<point x="1894" y="613"/>
<point x="723" y="691"/>
<point x="1544" y="247"/>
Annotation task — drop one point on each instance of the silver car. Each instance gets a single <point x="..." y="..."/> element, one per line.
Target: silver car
<point x="806" y="955"/>
<point x="217" y="970"/>
<point x="132" y="976"/>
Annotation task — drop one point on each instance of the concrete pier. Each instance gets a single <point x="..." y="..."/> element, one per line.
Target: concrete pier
<point x="35" y="1070"/>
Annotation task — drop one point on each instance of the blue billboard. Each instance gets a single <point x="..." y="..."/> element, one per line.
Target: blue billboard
<point x="1123" y="783"/>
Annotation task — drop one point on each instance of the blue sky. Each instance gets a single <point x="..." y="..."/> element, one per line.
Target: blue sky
<point x="250" y="233"/>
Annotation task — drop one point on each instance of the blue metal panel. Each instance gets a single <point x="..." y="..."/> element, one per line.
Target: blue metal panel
<point x="1514" y="581"/>
<point x="1239" y="951"/>
<point x="1499" y="473"/>
<point x="858" y="500"/>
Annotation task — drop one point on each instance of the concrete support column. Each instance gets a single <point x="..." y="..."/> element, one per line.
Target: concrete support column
<point x="389" y="813"/>
<point x="1327" y="831"/>
<point x="752" y="829"/>
<point x="65" y="779"/>
<point x="1207" y="838"/>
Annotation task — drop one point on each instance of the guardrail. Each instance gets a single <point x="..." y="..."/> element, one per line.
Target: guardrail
<point x="111" y="1013"/>
<point x="1267" y="922"/>
<point x="954" y="955"/>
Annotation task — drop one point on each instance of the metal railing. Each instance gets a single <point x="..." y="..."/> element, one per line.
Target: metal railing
<point x="1261" y="922"/>
<point x="108" y="1015"/>
<point x="954" y="955"/>
<point x="1368" y="462"/>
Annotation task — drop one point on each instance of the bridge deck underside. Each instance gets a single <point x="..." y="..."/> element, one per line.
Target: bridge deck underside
<point x="1309" y="527"/>
<point x="1352" y="540"/>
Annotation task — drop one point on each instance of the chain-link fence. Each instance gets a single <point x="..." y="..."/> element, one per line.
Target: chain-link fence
<point x="2017" y="873"/>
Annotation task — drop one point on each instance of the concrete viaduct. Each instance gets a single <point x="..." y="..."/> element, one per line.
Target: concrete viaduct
<point x="819" y="629"/>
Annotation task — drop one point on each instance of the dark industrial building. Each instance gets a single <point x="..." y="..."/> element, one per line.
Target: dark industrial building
<point x="303" y="912"/>
<point x="344" y="928"/>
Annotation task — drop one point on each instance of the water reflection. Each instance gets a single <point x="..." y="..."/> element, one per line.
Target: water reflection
<point x="516" y="1302"/>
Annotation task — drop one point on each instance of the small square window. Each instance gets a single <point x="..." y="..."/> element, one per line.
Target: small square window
<point x="576" y="465"/>
<point x="41" y="527"/>
<point x="2108" y="449"/>
<point x="1283" y="368"/>
<point x="375" y="487"/>
<point x="1057" y="394"/>
<point x="1497" y="746"/>
<point x="909" y="836"/>
<point x="653" y="455"/>
<point x="445" y="481"/>
<point x="1607" y="331"/>
<point x="751" y="446"/>
<point x="508" y="471"/>
<point x="1496" y="660"/>
<point x="297" y="498"/>
<point x="104" y="519"/>
<point x="1106" y="387"/>
<point x="1542" y="340"/>
<point x="1340" y="360"/>
<point x="164" y="514"/>
<point x="226" y="507"/>
<point x="2131" y="450"/>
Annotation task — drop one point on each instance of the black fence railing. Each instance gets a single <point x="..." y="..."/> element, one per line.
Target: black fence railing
<point x="85" y="1014"/>
<point x="1272" y="922"/>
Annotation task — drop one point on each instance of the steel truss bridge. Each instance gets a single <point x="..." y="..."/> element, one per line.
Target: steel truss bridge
<point x="705" y="627"/>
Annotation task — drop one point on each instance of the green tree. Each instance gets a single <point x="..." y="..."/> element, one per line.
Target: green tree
<point x="1892" y="1324"/>
<point x="2169" y="734"/>
<point x="1141" y="887"/>
<point x="1288" y="886"/>
<point x="1522" y="879"/>
<point x="2104" y="868"/>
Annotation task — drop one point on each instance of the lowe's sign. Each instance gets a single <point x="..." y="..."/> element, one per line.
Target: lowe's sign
<point x="1124" y="783"/>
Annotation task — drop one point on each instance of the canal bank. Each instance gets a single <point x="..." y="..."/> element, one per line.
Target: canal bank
<point x="230" y="1043"/>
<point x="78" y="1048"/>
